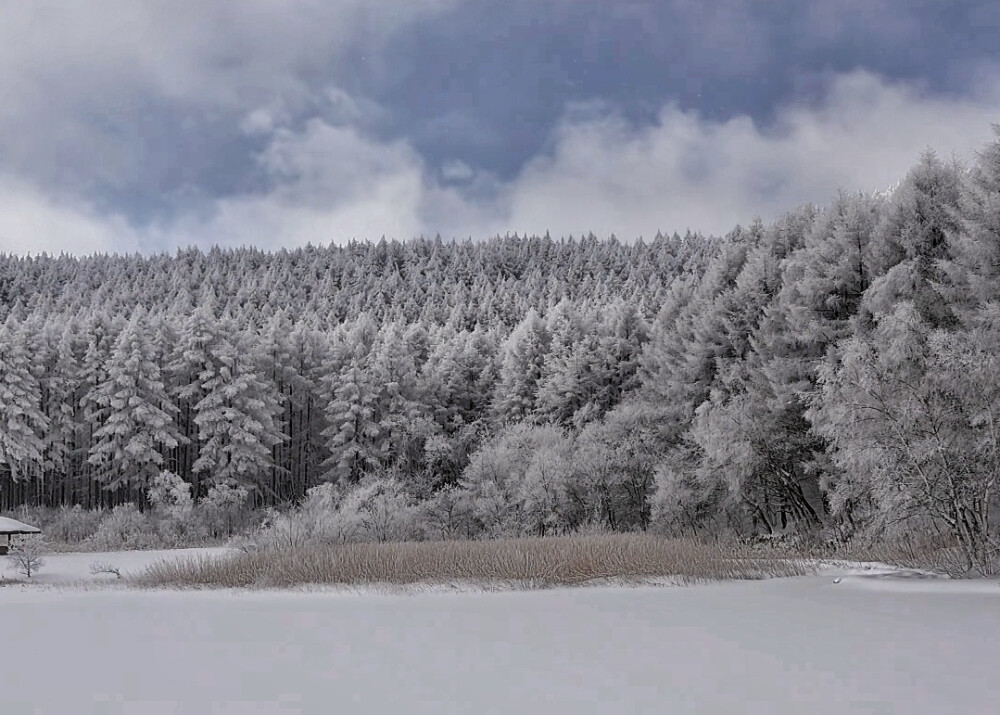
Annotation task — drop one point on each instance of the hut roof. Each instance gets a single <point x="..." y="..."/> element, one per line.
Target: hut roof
<point x="12" y="526"/>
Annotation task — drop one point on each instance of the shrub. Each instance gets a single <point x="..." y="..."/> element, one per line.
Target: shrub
<point x="69" y="525"/>
<point x="124" y="527"/>
<point x="223" y="507"/>
<point x="177" y="522"/>
<point x="99" y="568"/>
<point x="378" y="510"/>
<point x="446" y="515"/>
<point x="920" y="550"/>
<point x="170" y="495"/>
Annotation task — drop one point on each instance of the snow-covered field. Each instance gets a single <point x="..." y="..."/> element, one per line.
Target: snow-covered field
<point x="873" y="644"/>
<point x="75" y="568"/>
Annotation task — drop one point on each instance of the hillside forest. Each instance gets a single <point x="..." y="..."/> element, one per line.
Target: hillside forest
<point x="834" y="372"/>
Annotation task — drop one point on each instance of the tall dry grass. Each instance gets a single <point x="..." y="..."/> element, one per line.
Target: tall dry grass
<point x="536" y="562"/>
<point x="927" y="552"/>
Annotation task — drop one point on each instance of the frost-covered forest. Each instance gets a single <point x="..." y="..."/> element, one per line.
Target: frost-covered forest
<point x="835" y="372"/>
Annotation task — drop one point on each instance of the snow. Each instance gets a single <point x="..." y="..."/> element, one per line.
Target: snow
<point x="870" y="643"/>
<point x="73" y="569"/>
<point x="12" y="526"/>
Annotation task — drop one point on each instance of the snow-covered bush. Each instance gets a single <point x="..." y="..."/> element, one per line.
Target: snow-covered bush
<point x="613" y="468"/>
<point x="516" y="483"/>
<point x="170" y="495"/>
<point x="378" y="509"/>
<point x="99" y="568"/>
<point x="684" y="502"/>
<point x="177" y="522"/>
<point x="223" y="505"/>
<point x="26" y="554"/>
<point x="313" y="522"/>
<point x="124" y="527"/>
<point x="445" y="515"/>
<point x="69" y="525"/>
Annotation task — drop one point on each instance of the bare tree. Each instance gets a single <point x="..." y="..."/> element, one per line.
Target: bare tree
<point x="26" y="554"/>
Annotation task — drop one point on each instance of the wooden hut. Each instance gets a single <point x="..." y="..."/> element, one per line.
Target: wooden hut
<point x="11" y="528"/>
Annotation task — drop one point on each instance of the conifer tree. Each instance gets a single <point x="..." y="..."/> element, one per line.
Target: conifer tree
<point x="404" y="421"/>
<point x="353" y="432"/>
<point x="136" y="415"/>
<point x="61" y="393"/>
<point x="521" y="369"/>
<point x="976" y="266"/>
<point x="22" y="442"/>
<point x="237" y="421"/>
<point x="912" y="242"/>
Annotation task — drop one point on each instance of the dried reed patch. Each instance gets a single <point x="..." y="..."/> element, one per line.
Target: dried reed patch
<point x="539" y="562"/>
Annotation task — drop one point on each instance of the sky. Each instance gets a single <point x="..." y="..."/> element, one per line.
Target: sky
<point x="137" y="127"/>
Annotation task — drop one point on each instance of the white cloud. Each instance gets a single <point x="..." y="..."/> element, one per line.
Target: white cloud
<point x="330" y="182"/>
<point x="258" y="121"/>
<point x="95" y="93"/>
<point x="457" y="170"/>
<point x="605" y="175"/>
<point x="608" y="176"/>
<point x="33" y="223"/>
<point x="214" y="52"/>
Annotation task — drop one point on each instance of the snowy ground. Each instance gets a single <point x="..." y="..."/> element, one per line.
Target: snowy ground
<point x="74" y="568"/>
<point x="872" y="643"/>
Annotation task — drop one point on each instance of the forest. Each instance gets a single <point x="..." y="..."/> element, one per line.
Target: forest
<point x="834" y="372"/>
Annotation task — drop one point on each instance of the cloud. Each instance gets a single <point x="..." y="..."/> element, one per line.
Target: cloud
<point x="131" y="126"/>
<point x="457" y="170"/>
<point x="332" y="184"/>
<point x="327" y="183"/>
<point x="327" y="179"/>
<point x="193" y="55"/>
<point x="33" y="223"/>
<point x="606" y="175"/>
<point x="129" y="102"/>
<point x="888" y="22"/>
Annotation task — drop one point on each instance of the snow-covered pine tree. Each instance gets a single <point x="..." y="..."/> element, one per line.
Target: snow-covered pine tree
<point x="559" y="389"/>
<point x="22" y="438"/>
<point x="188" y="365"/>
<point x="912" y="242"/>
<point x="521" y="369"/>
<point x="98" y="334"/>
<point x="290" y="355"/>
<point x="405" y="420"/>
<point x="353" y="434"/>
<point x="136" y="416"/>
<point x="975" y="270"/>
<point x="59" y="380"/>
<point x="237" y="420"/>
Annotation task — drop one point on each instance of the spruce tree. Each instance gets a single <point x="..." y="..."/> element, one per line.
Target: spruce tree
<point x="236" y="420"/>
<point x="521" y="369"/>
<point x="136" y="416"/>
<point x="353" y="434"/>
<point x="22" y="438"/>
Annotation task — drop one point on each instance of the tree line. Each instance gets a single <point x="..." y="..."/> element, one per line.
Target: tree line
<point x="831" y="371"/>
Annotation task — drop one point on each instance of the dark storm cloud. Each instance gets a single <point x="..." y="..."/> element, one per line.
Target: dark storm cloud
<point x="509" y="68"/>
<point x="129" y="125"/>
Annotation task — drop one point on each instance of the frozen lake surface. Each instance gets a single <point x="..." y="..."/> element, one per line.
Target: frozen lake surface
<point x="807" y="645"/>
